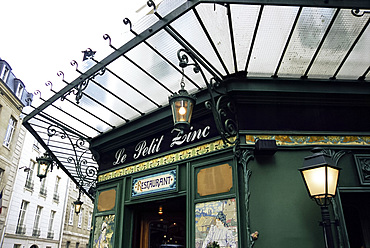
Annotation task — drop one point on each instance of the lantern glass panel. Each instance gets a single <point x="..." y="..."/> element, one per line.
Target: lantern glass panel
<point x="316" y="179"/>
<point x="77" y="208"/>
<point x="43" y="168"/>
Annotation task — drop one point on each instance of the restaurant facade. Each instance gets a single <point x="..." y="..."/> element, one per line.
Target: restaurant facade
<point x="233" y="176"/>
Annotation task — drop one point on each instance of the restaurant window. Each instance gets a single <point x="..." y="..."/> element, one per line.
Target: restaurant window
<point x="214" y="180"/>
<point x="10" y="131"/>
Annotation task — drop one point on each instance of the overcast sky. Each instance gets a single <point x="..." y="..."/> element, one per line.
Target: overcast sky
<point x="41" y="37"/>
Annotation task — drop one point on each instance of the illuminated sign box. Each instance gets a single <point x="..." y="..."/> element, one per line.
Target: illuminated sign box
<point x="154" y="183"/>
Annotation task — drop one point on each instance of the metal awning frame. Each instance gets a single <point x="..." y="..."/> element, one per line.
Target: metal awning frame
<point x="163" y="23"/>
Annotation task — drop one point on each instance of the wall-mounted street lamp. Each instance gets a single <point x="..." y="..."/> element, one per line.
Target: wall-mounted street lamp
<point x="320" y="175"/>
<point x="43" y="164"/>
<point x="78" y="203"/>
<point x="182" y="103"/>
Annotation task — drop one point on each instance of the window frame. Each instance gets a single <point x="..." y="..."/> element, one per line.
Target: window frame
<point x="9" y="132"/>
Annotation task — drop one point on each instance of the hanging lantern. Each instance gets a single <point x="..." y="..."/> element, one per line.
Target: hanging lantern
<point x="182" y="104"/>
<point x="78" y="204"/>
<point x="43" y="164"/>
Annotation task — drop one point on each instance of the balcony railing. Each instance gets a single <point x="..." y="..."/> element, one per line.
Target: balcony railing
<point x="29" y="184"/>
<point x="36" y="232"/>
<point x="21" y="229"/>
<point x="50" y="235"/>
<point x="43" y="191"/>
<point x="56" y="197"/>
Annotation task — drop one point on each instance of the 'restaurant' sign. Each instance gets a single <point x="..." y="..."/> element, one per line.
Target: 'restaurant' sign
<point x="154" y="183"/>
<point x="156" y="144"/>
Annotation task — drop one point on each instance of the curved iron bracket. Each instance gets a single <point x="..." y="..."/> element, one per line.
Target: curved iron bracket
<point x="356" y="12"/>
<point x="223" y="110"/>
<point x="80" y="87"/>
<point x="86" y="177"/>
<point x="335" y="156"/>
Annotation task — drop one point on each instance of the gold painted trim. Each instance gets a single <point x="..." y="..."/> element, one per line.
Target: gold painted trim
<point x="168" y="159"/>
<point x="297" y="140"/>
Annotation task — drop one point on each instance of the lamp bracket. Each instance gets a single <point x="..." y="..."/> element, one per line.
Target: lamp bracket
<point x="86" y="174"/>
<point x="335" y="156"/>
<point x="223" y="109"/>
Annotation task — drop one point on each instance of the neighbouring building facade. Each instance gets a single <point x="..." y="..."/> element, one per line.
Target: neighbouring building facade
<point x="77" y="227"/>
<point x="13" y="98"/>
<point x="37" y="207"/>
<point x="276" y="84"/>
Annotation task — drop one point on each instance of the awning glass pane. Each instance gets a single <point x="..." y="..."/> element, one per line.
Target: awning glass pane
<point x="244" y="23"/>
<point x="339" y="40"/>
<point x="273" y="31"/>
<point x="309" y="31"/>
<point x="215" y="19"/>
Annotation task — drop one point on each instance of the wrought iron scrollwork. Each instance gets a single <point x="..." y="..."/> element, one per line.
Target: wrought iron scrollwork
<point x="223" y="109"/>
<point x="335" y="156"/>
<point x="127" y="21"/>
<point x="356" y="12"/>
<point x="86" y="174"/>
<point x="80" y="87"/>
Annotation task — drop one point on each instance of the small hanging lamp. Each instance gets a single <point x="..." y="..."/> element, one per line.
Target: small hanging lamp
<point x="43" y="164"/>
<point x="78" y="203"/>
<point x="182" y="104"/>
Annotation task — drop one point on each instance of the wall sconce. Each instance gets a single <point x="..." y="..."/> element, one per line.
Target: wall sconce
<point x="43" y="164"/>
<point x="182" y="103"/>
<point x="320" y="175"/>
<point x="78" y="203"/>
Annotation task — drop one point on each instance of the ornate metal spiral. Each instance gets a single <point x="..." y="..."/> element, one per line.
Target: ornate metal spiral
<point x="127" y="21"/>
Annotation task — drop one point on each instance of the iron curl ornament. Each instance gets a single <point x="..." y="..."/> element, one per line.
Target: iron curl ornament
<point x="86" y="174"/>
<point x="223" y="109"/>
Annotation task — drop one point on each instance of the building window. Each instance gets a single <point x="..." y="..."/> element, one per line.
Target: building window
<point x="36" y="229"/>
<point x="56" y="189"/>
<point x="29" y="180"/>
<point x="71" y="213"/>
<point x="17" y="246"/>
<point x="4" y="73"/>
<point x="43" y="190"/>
<point x="68" y="244"/>
<point x="19" y="91"/>
<point x="77" y="244"/>
<point x="9" y="131"/>
<point x="80" y="218"/>
<point x="89" y="221"/>
<point x="21" y="228"/>
<point x="1" y="176"/>
<point x="51" y="222"/>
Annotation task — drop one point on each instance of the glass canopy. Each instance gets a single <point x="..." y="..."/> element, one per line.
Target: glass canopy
<point x="326" y="42"/>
